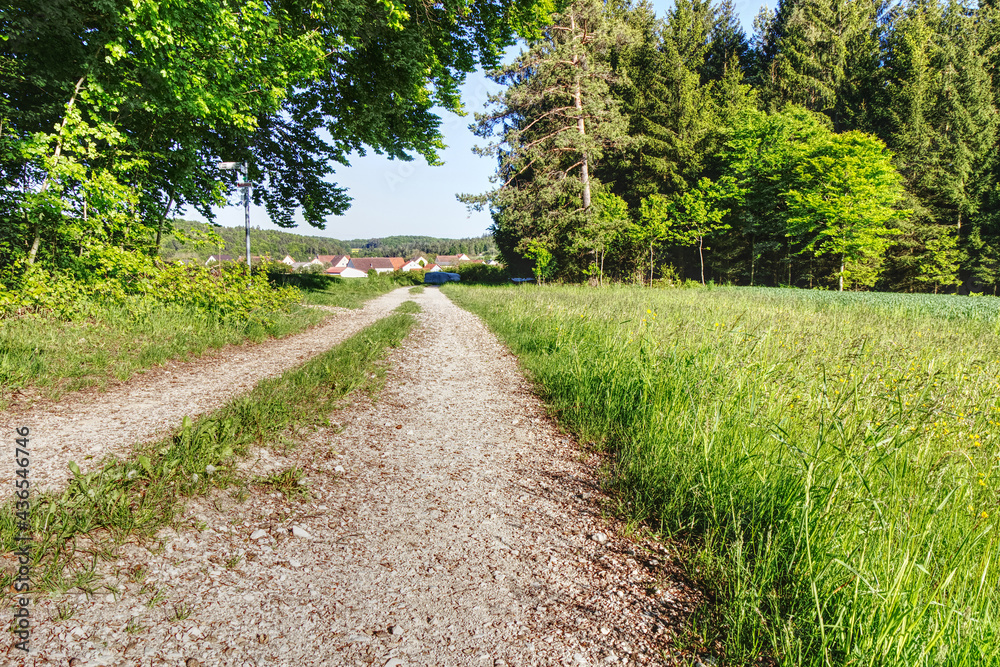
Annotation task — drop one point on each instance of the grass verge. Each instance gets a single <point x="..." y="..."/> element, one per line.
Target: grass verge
<point x="124" y="499"/>
<point x="830" y="464"/>
<point x="55" y="356"/>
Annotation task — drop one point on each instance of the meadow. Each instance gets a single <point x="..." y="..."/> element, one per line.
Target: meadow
<point x="826" y="465"/>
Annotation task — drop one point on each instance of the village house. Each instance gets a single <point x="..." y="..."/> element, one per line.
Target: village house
<point x="217" y="259"/>
<point x="378" y="264"/>
<point x="345" y="272"/>
<point x="298" y="266"/>
<point x="334" y="260"/>
<point x="417" y="264"/>
<point x="451" y="260"/>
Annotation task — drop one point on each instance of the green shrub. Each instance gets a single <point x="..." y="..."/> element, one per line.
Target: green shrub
<point x="482" y="274"/>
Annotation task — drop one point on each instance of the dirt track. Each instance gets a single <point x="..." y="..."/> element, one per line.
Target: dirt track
<point x="449" y="523"/>
<point x="84" y="427"/>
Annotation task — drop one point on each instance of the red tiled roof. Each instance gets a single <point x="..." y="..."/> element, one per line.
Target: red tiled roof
<point x="330" y="259"/>
<point x="397" y="262"/>
<point x="366" y="264"/>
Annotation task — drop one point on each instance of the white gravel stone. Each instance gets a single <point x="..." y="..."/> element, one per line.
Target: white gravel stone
<point x="258" y="534"/>
<point x="600" y="538"/>
<point x="299" y="531"/>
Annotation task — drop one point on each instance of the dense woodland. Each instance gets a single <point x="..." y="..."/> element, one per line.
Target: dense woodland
<point x="844" y="144"/>
<point x="195" y="239"/>
<point x="411" y="246"/>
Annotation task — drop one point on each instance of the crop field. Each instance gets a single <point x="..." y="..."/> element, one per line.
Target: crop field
<point x="828" y="465"/>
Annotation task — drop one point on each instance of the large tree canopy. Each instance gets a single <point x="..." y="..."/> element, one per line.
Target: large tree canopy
<point x="145" y="96"/>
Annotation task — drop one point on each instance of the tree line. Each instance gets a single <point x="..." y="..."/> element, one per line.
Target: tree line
<point x="411" y="246"/>
<point x="199" y="240"/>
<point x="845" y="143"/>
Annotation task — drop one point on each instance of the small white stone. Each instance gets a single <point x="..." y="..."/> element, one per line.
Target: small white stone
<point x="396" y="630"/>
<point x="600" y="538"/>
<point x="605" y="631"/>
<point x="258" y="534"/>
<point x="294" y="563"/>
<point x="298" y="531"/>
<point x="394" y="662"/>
<point x="339" y="469"/>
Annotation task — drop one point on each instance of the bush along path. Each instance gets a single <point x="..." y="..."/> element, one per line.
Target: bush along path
<point x="84" y="427"/>
<point x="441" y="519"/>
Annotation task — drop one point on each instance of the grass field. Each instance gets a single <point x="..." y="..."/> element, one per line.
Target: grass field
<point x="829" y="464"/>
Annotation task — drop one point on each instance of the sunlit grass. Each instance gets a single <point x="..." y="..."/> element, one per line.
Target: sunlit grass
<point x="55" y="355"/>
<point x="831" y="462"/>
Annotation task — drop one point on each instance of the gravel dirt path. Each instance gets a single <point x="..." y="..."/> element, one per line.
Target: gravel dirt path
<point x="85" y="426"/>
<point x="449" y="523"/>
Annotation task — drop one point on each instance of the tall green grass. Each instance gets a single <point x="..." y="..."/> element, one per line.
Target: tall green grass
<point x="829" y="461"/>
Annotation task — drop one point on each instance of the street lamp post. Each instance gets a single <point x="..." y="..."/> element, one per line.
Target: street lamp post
<point x="243" y="185"/>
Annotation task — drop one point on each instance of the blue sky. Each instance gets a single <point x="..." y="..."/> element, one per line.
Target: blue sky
<point x="412" y="198"/>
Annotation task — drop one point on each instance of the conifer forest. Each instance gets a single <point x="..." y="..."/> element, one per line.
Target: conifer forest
<point x="844" y="144"/>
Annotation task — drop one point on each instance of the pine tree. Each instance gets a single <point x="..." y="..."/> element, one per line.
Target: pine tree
<point x="668" y="109"/>
<point x="942" y="122"/>
<point x="726" y="40"/>
<point x="819" y="54"/>
<point x="555" y="121"/>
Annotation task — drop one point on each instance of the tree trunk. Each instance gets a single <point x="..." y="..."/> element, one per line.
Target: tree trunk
<point x="701" y="257"/>
<point x="840" y="278"/>
<point x="578" y="103"/>
<point x="34" y="244"/>
<point x="163" y="218"/>
<point x="650" y="264"/>
<point x="33" y="252"/>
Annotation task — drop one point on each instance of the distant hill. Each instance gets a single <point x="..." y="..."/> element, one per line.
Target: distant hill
<point x="405" y="246"/>
<point x="277" y="244"/>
